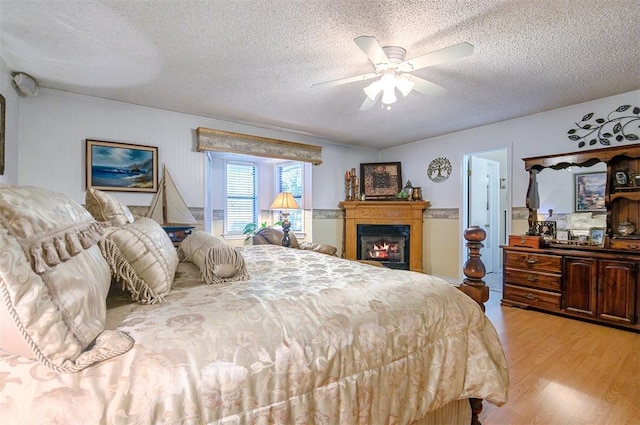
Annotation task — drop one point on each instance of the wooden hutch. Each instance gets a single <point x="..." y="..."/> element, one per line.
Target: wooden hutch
<point x="600" y="283"/>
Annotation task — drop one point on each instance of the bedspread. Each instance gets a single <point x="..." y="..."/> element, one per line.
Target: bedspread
<point x="309" y="338"/>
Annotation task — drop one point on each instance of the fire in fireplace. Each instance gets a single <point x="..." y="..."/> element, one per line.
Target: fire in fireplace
<point x="388" y="244"/>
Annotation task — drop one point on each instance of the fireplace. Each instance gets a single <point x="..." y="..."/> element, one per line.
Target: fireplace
<point x="388" y="244"/>
<point x="403" y="218"/>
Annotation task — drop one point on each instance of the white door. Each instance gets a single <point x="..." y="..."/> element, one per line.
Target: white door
<point x="484" y="206"/>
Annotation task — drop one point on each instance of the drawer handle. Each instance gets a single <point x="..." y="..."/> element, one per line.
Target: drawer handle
<point x="531" y="260"/>
<point x="530" y="297"/>
<point x="532" y="278"/>
<point x="632" y="246"/>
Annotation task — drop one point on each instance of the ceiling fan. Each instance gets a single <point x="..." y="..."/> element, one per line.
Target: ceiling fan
<point x="394" y="71"/>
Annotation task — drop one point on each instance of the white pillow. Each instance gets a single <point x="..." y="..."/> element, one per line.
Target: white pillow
<point x="53" y="282"/>
<point x="217" y="260"/>
<point x="142" y="257"/>
<point x="105" y="208"/>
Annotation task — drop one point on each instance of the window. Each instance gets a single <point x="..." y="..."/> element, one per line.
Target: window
<point x="289" y="178"/>
<point x="242" y="200"/>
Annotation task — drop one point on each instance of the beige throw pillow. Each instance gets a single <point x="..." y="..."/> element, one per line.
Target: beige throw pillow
<point x="217" y="260"/>
<point x="142" y="258"/>
<point x="53" y="282"/>
<point x="105" y="208"/>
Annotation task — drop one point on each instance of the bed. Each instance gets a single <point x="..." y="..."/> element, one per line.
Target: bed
<point x="294" y="337"/>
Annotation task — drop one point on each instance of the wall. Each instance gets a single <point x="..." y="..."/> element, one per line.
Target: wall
<point x="46" y="141"/>
<point x="544" y="133"/>
<point x="55" y="124"/>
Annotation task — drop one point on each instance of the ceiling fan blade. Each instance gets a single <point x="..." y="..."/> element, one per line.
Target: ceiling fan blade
<point x="368" y="103"/>
<point x="362" y="77"/>
<point x="424" y="86"/>
<point x="370" y="46"/>
<point x="450" y="53"/>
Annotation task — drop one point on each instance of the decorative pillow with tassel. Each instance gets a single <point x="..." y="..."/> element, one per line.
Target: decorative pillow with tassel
<point x="105" y="208"/>
<point x="53" y="282"/>
<point x="217" y="260"/>
<point x="142" y="257"/>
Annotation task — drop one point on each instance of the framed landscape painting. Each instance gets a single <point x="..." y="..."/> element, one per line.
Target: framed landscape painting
<point x="589" y="190"/>
<point x="121" y="166"/>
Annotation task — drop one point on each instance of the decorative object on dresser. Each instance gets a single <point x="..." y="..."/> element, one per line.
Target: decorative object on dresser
<point x="285" y="201"/>
<point x="626" y="228"/>
<point x="121" y="166"/>
<point x="547" y="229"/>
<point x="381" y="180"/>
<point x="596" y="275"/>
<point x="525" y="241"/>
<point x="170" y="211"/>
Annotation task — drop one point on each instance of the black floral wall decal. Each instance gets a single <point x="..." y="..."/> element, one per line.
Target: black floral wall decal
<point x="617" y="126"/>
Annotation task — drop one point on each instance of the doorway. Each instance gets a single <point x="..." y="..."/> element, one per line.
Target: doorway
<point x="486" y="204"/>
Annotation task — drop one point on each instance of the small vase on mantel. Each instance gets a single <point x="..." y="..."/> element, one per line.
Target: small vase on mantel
<point x="417" y="194"/>
<point x="626" y="228"/>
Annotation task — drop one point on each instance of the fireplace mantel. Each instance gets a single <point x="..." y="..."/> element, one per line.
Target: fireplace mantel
<point x="383" y="212"/>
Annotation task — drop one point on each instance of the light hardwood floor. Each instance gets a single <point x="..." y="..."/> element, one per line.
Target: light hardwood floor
<point x="564" y="371"/>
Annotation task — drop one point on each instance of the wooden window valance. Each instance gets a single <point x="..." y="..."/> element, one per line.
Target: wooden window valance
<point x="226" y="141"/>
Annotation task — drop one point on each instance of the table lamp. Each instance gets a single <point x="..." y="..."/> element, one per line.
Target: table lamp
<point x="285" y="201"/>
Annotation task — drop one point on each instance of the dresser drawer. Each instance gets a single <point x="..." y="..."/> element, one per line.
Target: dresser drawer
<point x="532" y="297"/>
<point x="533" y="261"/>
<point x="531" y="279"/>
<point x="628" y="244"/>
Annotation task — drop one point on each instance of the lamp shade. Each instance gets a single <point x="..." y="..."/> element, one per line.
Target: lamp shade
<point x="284" y="201"/>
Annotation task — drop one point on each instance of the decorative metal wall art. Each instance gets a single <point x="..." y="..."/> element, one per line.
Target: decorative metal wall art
<point x="439" y="170"/>
<point x="616" y="126"/>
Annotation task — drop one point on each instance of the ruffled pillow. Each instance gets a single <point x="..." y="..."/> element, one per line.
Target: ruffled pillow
<point x="105" y="208"/>
<point x="142" y="258"/>
<point x="53" y="282"/>
<point x="217" y="260"/>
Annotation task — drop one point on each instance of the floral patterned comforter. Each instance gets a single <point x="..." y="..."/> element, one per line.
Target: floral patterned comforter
<point x="309" y="338"/>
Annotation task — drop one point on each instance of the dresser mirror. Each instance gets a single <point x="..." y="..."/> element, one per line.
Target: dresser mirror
<point x="581" y="191"/>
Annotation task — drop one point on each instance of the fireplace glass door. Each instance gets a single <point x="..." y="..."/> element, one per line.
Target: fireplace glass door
<point x="388" y="244"/>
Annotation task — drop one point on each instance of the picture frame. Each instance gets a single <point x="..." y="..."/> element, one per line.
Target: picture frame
<point x="621" y="178"/>
<point x="381" y="180"/>
<point x="547" y="229"/>
<point x="121" y="167"/>
<point x="596" y="236"/>
<point x="589" y="192"/>
<point x="562" y="235"/>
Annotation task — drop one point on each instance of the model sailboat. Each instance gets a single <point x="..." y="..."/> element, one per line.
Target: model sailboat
<point x="169" y="209"/>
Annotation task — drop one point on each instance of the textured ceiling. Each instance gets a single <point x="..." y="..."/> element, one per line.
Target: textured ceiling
<point x="255" y="61"/>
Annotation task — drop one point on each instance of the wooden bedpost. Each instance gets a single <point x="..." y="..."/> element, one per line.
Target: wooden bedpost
<point x="474" y="270"/>
<point x="475" y="287"/>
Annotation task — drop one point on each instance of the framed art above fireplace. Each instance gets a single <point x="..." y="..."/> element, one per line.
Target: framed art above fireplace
<point x="381" y="180"/>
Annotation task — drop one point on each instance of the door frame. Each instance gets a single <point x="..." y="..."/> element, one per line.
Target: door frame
<point x="505" y="214"/>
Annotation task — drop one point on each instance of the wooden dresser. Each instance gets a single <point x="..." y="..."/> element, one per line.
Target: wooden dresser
<point x="597" y="280"/>
<point x="602" y="285"/>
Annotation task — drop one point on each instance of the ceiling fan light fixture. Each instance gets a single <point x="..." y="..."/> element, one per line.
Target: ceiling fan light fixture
<point x="388" y="81"/>
<point x="373" y="89"/>
<point x="405" y="86"/>
<point x="389" y="96"/>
